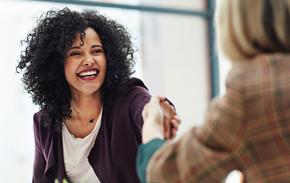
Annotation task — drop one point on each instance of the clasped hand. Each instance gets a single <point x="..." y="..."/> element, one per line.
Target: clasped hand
<point x="160" y="120"/>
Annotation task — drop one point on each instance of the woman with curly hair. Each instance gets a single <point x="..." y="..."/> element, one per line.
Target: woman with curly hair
<point x="77" y="67"/>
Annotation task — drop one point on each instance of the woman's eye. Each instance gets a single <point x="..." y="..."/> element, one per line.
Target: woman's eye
<point x="74" y="53"/>
<point x="98" y="51"/>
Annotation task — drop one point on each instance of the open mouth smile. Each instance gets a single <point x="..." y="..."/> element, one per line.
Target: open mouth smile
<point x="88" y="74"/>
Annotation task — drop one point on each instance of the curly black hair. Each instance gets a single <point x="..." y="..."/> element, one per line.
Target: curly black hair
<point x="42" y="61"/>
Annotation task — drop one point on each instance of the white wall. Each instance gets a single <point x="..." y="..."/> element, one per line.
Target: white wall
<point x="175" y="61"/>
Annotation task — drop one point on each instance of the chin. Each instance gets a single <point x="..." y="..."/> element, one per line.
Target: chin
<point x="90" y="90"/>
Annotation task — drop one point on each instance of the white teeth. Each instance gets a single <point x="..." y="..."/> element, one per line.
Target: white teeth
<point x="88" y="73"/>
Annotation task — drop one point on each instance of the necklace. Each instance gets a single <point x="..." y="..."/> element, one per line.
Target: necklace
<point x="91" y="121"/>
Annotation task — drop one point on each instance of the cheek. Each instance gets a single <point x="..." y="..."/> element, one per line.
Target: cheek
<point x="69" y="70"/>
<point x="66" y="74"/>
<point x="104" y="66"/>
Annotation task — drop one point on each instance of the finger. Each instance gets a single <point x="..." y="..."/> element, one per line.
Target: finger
<point x="167" y="128"/>
<point x="174" y="132"/>
<point x="161" y="98"/>
<point x="177" y="118"/>
<point x="174" y="124"/>
<point x="167" y="102"/>
<point x="167" y="109"/>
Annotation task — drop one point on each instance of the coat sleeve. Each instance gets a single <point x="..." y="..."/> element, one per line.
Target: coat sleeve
<point x="206" y="153"/>
<point x="39" y="161"/>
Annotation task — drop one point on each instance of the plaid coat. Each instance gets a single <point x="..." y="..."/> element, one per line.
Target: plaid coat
<point x="247" y="129"/>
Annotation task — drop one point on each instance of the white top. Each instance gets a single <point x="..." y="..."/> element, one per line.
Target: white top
<point x="76" y="151"/>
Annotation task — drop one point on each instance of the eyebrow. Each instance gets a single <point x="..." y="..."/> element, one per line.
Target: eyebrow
<point x="100" y="46"/>
<point x="75" y="47"/>
<point x="79" y="47"/>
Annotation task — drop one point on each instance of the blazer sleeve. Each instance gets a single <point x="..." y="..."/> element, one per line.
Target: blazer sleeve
<point x="139" y="97"/>
<point x="206" y="153"/>
<point x="39" y="161"/>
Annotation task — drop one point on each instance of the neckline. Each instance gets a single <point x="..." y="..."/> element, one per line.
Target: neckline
<point x="97" y="126"/>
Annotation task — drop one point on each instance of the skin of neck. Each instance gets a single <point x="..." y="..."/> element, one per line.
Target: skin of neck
<point x="86" y="107"/>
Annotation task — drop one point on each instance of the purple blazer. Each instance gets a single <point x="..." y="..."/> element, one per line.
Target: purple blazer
<point x="114" y="152"/>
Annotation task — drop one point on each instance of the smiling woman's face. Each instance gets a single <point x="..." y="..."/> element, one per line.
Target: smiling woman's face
<point x="85" y="64"/>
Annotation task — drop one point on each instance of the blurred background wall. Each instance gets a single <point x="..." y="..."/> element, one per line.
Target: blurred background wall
<point x="173" y="59"/>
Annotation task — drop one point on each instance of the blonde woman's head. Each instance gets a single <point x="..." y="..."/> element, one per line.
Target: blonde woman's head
<point x="247" y="28"/>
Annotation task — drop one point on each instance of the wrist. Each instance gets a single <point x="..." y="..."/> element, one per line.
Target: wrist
<point x="150" y="132"/>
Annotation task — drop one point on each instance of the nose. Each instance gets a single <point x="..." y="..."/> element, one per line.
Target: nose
<point x="89" y="60"/>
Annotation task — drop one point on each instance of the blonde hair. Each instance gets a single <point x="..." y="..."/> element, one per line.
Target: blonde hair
<point x="247" y="28"/>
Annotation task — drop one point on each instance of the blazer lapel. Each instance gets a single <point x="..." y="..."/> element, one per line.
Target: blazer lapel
<point x="55" y="165"/>
<point x="51" y="162"/>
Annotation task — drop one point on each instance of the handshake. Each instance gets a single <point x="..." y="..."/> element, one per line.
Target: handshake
<point x="160" y="119"/>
